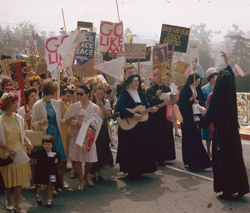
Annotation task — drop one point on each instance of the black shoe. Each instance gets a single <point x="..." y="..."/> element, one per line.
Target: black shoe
<point x="48" y="205"/>
<point x="177" y="136"/>
<point x="100" y="178"/>
<point x="39" y="201"/>
<point x="94" y="180"/>
<point x="225" y="196"/>
<point x="240" y="194"/>
<point x="112" y="144"/>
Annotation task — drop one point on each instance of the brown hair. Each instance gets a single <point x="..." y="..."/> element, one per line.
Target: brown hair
<point x="49" y="87"/>
<point x="5" y="81"/>
<point x="48" y="139"/>
<point x="93" y="97"/>
<point x="27" y="93"/>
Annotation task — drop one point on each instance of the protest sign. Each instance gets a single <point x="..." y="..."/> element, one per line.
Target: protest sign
<point x="31" y="46"/>
<point x="82" y="24"/>
<point x="5" y="67"/>
<point x="148" y="55"/>
<point x="111" y="37"/>
<point x="13" y="72"/>
<point x="135" y="51"/>
<point x="8" y="86"/>
<point x="53" y="58"/>
<point x="90" y="129"/>
<point x="70" y="58"/>
<point x="41" y="68"/>
<point x="175" y="36"/>
<point x="98" y="59"/>
<point x="111" y="56"/>
<point x="160" y="56"/>
<point x="32" y="62"/>
<point x="85" y="50"/>
<point x="181" y="67"/>
<point x="113" y="68"/>
<point x="41" y="59"/>
<point x="193" y="54"/>
<point x="243" y="106"/>
<point x="88" y="68"/>
<point x="3" y="57"/>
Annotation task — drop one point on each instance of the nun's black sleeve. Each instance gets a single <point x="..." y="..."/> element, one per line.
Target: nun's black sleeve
<point x="121" y="107"/>
<point x="208" y="116"/>
<point x="229" y="69"/>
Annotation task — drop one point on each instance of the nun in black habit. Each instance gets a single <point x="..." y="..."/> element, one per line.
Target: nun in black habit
<point x="135" y="152"/>
<point x="228" y="165"/>
<point x="193" y="152"/>
<point x="160" y="128"/>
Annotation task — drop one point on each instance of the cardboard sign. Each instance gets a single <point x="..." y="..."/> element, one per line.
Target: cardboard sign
<point x="243" y="106"/>
<point x="53" y="59"/>
<point x="31" y="46"/>
<point x="70" y="58"/>
<point x="9" y="86"/>
<point x="82" y="24"/>
<point x="98" y="59"/>
<point x="111" y="56"/>
<point x="148" y="55"/>
<point x="135" y="51"/>
<point x="88" y="69"/>
<point x="41" y="59"/>
<point x="32" y="62"/>
<point x="3" y="57"/>
<point x="12" y="66"/>
<point x="68" y="73"/>
<point x="90" y="129"/>
<point x="174" y="35"/>
<point x="160" y="57"/>
<point x="193" y="54"/>
<point x="41" y="68"/>
<point x="181" y="67"/>
<point x="5" y="67"/>
<point x="85" y="50"/>
<point x="111" y="37"/>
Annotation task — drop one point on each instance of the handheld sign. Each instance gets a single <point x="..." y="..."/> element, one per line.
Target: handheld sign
<point x="135" y="51"/>
<point x="239" y="70"/>
<point x="148" y="54"/>
<point x="187" y="73"/>
<point x="175" y="36"/>
<point x="200" y="71"/>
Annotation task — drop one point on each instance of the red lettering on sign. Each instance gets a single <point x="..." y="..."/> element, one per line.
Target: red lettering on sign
<point x="110" y="31"/>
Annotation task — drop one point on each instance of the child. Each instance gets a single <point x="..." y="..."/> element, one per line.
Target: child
<point x="46" y="172"/>
<point x="5" y="162"/>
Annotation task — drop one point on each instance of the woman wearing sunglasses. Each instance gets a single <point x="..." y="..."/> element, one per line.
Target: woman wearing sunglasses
<point x="77" y="154"/>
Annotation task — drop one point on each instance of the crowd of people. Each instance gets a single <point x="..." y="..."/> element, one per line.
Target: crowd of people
<point x="140" y="149"/>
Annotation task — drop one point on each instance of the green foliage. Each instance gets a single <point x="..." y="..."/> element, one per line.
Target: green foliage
<point x="242" y="84"/>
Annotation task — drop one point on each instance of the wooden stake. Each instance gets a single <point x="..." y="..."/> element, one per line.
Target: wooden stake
<point x="58" y="83"/>
<point x="180" y="79"/>
<point x="64" y="22"/>
<point x="108" y="79"/>
<point x="117" y="11"/>
<point x="138" y="66"/>
<point x="170" y="66"/>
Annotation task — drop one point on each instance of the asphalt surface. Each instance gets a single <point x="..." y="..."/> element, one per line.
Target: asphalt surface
<point x="172" y="188"/>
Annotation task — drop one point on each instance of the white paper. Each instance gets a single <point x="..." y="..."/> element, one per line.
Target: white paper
<point x="72" y="110"/>
<point x="20" y="159"/>
<point x="95" y="120"/>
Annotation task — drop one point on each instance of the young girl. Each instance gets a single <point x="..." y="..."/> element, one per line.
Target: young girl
<point x="46" y="172"/>
<point x="104" y="154"/>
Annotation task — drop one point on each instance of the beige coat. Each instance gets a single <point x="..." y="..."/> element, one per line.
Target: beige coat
<point x="39" y="113"/>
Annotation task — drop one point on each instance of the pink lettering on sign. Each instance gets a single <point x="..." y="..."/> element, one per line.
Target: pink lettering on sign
<point x="111" y="37"/>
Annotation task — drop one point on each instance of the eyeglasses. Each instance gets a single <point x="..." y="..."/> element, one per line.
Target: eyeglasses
<point x="80" y="93"/>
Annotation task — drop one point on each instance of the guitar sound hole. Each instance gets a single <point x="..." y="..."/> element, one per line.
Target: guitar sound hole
<point x="138" y="112"/>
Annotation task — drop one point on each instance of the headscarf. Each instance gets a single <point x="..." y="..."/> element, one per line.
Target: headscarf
<point x="133" y="92"/>
<point x="225" y="100"/>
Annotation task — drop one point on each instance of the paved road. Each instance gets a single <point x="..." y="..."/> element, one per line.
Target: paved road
<point x="171" y="189"/>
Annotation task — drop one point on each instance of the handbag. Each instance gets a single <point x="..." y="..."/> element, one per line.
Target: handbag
<point x="35" y="137"/>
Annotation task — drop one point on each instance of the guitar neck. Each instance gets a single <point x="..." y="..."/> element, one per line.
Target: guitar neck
<point x="149" y="109"/>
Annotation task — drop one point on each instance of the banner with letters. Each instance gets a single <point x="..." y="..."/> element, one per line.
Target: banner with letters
<point x="148" y="55"/>
<point x="175" y="35"/>
<point x="85" y="50"/>
<point x="31" y="46"/>
<point x="135" y="51"/>
<point x="111" y="37"/>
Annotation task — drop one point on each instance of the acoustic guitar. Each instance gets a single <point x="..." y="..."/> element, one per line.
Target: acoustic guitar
<point x="129" y="123"/>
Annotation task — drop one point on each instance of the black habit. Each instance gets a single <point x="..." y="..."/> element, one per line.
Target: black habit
<point x="160" y="128"/>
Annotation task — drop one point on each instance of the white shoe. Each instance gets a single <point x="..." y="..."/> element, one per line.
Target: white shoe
<point x="10" y="207"/>
<point x="19" y="211"/>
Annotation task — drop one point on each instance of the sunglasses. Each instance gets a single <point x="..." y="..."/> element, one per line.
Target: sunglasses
<point x="80" y="93"/>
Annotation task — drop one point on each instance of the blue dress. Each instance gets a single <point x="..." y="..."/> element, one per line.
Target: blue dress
<point x="53" y="130"/>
